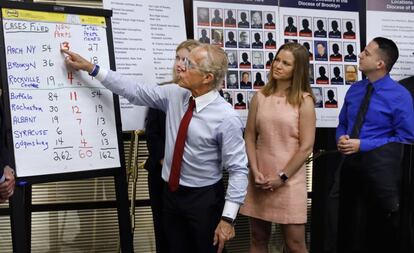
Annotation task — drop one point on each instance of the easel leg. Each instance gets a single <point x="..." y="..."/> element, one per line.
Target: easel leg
<point x="124" y="220"/>
<point x="21" y="218"/>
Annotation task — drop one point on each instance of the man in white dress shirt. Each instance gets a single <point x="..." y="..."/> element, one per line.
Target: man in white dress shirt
<point x="199" y="215"/>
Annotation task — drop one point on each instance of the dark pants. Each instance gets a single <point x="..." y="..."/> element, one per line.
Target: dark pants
<point x="155" y="188"/>
<point x="364" y="224"/>
<point x="190" y="217"/>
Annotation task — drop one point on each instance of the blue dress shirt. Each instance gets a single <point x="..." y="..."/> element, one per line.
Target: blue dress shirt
<point x="390" y="115"/>
<point x="214" y="137"/>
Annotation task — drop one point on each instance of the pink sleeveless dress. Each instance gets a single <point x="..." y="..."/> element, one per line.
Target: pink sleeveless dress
<point x="277" y="125"/>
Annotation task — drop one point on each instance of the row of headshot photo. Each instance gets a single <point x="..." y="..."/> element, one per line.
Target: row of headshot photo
<point x="245" y="80"/>
<point x="321" y="50"/>
<point x="320" y="74"/>
<point x="325" y="97"/>
<point x="334" y="74"/>
<point x="235" y="18"/>
<point x="237" y="39"/>
<point x="240" y="100"/>
<point x="246" y="59"/>
<point x="317" y="27"/>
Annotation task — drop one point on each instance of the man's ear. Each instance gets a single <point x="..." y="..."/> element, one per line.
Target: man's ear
<point x="209" y="78"/>
<point x="381" y="64"/>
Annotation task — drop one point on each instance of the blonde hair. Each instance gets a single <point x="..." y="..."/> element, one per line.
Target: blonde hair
<point x="215" y="63"/>
<point x="188" y="45"/>
<point x="300" y="77"/>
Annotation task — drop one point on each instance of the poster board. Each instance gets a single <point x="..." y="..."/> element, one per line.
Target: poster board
<point x="331" y="31"/>
<point x="61" y="121"/>
<point x="394" y="20"/>
<point x="256" y="23"/>
<point x="146" y="34"/>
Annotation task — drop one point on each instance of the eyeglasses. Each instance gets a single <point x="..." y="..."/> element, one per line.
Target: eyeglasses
<point x="188" y="64"/>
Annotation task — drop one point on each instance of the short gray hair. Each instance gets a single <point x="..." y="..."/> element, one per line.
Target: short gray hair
<point x="215" y="63"/>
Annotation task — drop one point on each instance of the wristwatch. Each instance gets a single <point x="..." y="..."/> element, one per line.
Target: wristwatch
<point x="228" y="220"/>
<point x="283" y="176"/>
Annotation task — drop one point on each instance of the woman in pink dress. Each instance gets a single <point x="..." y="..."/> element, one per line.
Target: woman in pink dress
<point x="279" y="136"/>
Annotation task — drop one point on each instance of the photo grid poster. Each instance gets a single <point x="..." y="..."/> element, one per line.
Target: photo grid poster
<point x="248" y="32"/>
<point x="251" y="32"/>
<point x="330" y="31"/>
<point x="394" y="20"/>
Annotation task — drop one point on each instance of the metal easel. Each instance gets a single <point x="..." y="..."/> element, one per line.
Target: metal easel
<point x="132" y="170"/>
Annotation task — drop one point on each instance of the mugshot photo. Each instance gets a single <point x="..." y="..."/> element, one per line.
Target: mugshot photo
<point x="257" y="42"/>
<point x="230" y="38"/>
<point x="334" y="28"/>
<point x="258" y="79"/>
<point x="244" y="39"/>
<point x="321" y="50"/>
<point x="337" y="77"/>
<point x="269" y="60"/>
<point x="245" y="80"/>
<point x="350" y="55"/>
<point x="204" y="35"/>
<point x="244" y="59"/>
<point x="216" y="17"/>
<point x="203" y="16"/>
<point x="317" y="92"/>
<point x="228" y="96"/>
<point x="290" y="25"/>
<point x="243" y="19"/>
<point x="217" y="37"/>
<point x="351" y="74"/>
<point x="308" y="45"/>
<point x="240" y="100"/>
<point x="257" y="60"/>
<point x="232" y="80"/>
<point x="322" y="74"/>
<point x="232" y="59"/>
<point x="230" y="18"/>
<point x="305" y="29"/>
<point x="349" y="31"/>
<point x="256" y="19"/>
<point x="319" y="27"/>
<point x="336" y="51"/>
<point x="270" y="40"/>
<point x="330" y="97"/>
<point x="269" y="22"/>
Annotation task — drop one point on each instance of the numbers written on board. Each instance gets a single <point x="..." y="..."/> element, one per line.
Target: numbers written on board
<point x="78" y="113"/>
<point x="106" y="154"/>
<point x="46" y="48"/>
<point x="62" y="155"/>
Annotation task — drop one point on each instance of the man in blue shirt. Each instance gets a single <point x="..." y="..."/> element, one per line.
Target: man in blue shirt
<point x="197" y="218"/>
<point x="389" y="118"/>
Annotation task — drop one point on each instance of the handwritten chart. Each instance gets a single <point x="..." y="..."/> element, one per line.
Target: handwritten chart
<point x="62" y="120"/>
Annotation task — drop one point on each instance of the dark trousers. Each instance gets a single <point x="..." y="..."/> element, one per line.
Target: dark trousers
<point x="155" y="188"/>
<point x="364" y="225"/>
<point x="190" y="217"/>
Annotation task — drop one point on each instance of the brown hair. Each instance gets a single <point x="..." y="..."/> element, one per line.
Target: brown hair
<point x="186" y="44"/>
<point x="300" y="79"/>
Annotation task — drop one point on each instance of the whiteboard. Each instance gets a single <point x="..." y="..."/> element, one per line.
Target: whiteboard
<point x="62" y="120"/>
